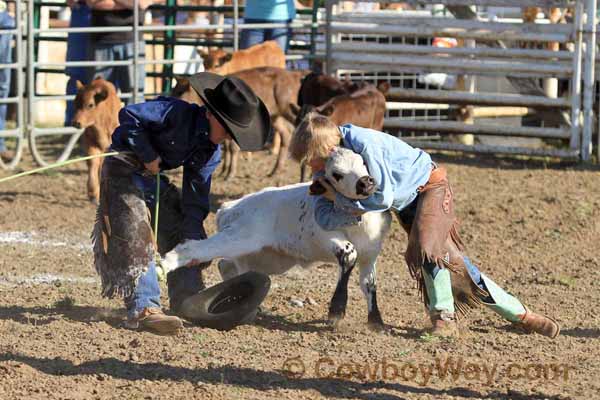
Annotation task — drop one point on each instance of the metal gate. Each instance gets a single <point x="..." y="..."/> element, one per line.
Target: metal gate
<point x="491" y="48"/>
<point x="28" y="33"/>
<point x="16" y="134"/>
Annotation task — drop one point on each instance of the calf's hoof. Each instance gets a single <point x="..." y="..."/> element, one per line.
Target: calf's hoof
<point x="335" y="317"/>
<point x="94" y="201"/>
<point x="375" y="323"/>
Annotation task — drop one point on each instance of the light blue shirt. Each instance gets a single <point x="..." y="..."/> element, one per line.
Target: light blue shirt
<point x="272" y="10"/>
<point x="397" y="168"/>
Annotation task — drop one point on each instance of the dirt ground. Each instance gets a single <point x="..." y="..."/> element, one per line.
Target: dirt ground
<point x="533" y="227"/>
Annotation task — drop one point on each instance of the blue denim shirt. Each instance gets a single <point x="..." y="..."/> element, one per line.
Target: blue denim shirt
<point x="272" y="10"/>
<point x="397" y="168"/>
<point x="177" y="131"/>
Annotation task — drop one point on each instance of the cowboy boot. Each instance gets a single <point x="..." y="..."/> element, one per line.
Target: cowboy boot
<point x="441" y="303"/>
<point x="154" y="320"/>
<point x="513" y="310"/>
<point x="532" y="322"/>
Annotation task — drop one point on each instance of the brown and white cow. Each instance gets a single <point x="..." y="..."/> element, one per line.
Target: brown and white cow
<point x="266" y="54"/>
<point x="97" y="112"/>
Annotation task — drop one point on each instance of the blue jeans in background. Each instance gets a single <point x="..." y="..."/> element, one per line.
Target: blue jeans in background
<point x="250" y="37"/>
<point x="78" y="49"/>
<point x="121" y="76"/>
<point x="6" y="22"/>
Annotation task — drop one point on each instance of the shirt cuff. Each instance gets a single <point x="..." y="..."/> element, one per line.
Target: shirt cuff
<point x="345" y="204"/>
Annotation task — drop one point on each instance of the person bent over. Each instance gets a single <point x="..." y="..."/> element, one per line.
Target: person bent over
<point x="418" y="192"/>
<point x="158" y="135"/>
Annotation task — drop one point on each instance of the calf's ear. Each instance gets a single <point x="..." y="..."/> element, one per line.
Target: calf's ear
<point x="327" y="111"/>
<point x="225" y="58"/>
<point x="79" y="85"/>
<point x="384" y="87"/>
<point x="101" y="95"/>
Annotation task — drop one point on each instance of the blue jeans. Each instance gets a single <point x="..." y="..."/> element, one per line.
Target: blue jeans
<point x="121" y="76"/>
<point x="182" y="282"/>
<point x="250" y="37"/>
<point x="78" y="45"/>
<point x="6" y="22"/>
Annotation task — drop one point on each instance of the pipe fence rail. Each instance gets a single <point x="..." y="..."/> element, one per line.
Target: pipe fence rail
<point x="495" y="49"/>
<point x="375" y="46"/>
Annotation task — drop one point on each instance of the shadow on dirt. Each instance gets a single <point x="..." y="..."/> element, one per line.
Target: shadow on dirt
<point x="249" y="378"/>
<point x="43" y="316"/>
<point x="581" y="332"/>
<point x="280" y="323"/>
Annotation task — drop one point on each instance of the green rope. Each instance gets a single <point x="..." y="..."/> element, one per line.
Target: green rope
<point x="160" y="272"/>
<point x="156" y="205"/>
<point x="56" y="165"/>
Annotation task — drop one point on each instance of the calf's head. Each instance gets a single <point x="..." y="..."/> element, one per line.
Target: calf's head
<point x="213" y="59"/>
<point x="347" y="173"/>
<point x="89" y="100"/>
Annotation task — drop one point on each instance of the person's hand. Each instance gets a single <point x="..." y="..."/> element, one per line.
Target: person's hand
<point x="329" y="192"/>
<point x="153" y="166"/>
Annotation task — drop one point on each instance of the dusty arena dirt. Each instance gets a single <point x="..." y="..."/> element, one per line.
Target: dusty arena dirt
<point x="533" y="227"/>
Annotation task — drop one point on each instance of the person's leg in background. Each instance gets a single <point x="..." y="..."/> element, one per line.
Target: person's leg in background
<point x="107" y="72"/>
<point x="281" y="35"/>
<point x="6" y="22"/>
<point x="251" y="37"/>
<point x="77" y="50"/>
<point x="125" y="73"/>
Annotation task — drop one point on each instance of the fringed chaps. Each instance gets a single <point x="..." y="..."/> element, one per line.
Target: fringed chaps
<point x="433" y="238"/>
<point x="123" y="241"/>
<point x="122" y="236"/>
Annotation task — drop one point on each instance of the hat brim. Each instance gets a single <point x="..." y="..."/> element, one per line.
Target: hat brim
<point x="229" y="303"/>
<point x="250" y="138"/>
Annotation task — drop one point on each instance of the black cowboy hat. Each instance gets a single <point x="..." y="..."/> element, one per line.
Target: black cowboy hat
<point x="237" y="108"/>
<point x="228" y="304"/>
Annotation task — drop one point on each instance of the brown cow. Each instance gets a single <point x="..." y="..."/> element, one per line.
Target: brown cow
<point x="266" y="54"/>
<point x="278" y="89"/>
<point x="317" y="89"/>
<point x="96" y="111"/>
<point x="357" y="103"/>
<point x="364" y="107"/>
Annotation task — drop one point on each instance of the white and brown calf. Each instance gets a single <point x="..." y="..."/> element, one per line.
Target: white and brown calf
<point x="274" y="230"/>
